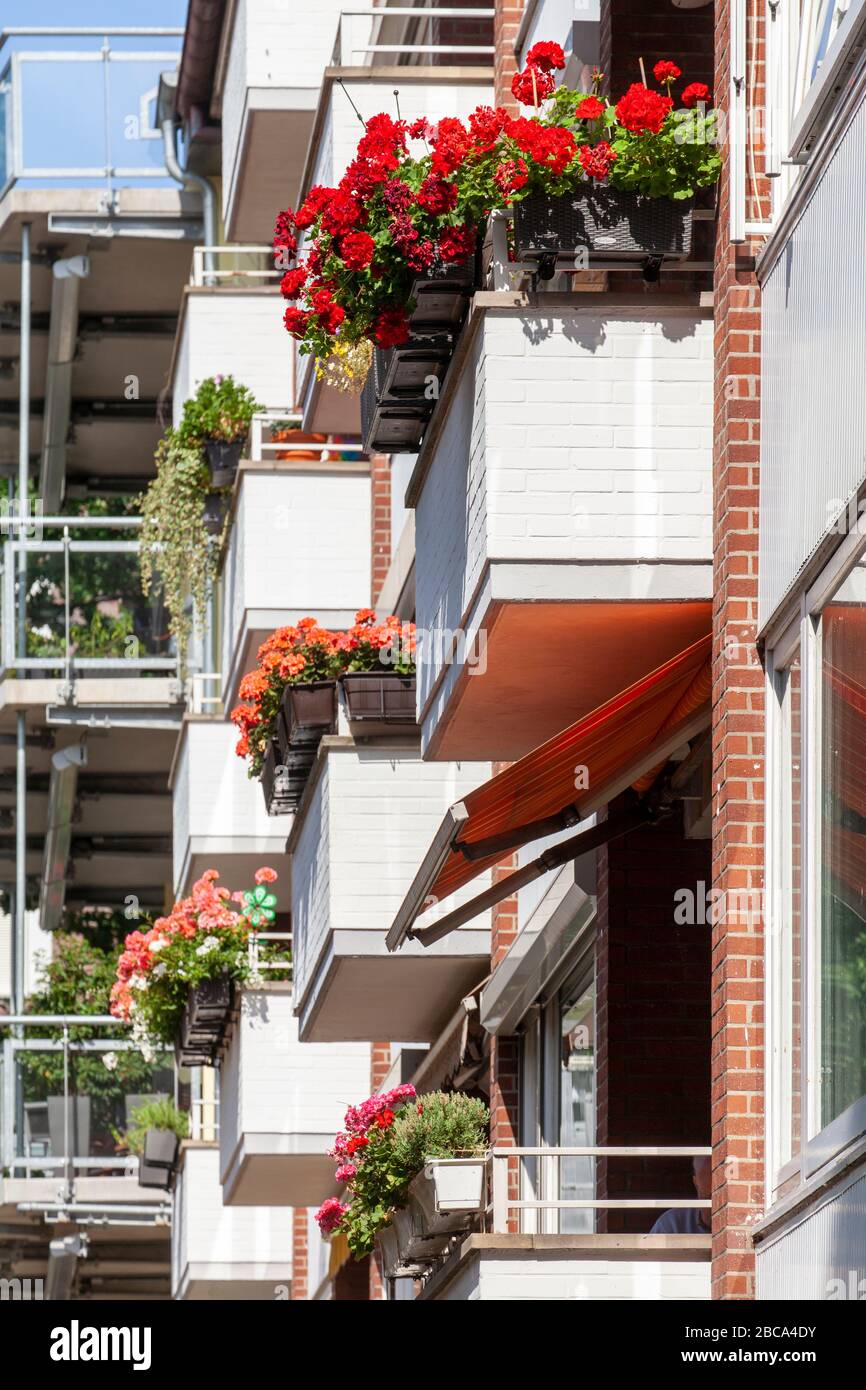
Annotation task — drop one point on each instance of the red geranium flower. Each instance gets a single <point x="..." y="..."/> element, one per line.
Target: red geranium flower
<point x="590" y="109"/>
<point x="391" y="328"/>
<point x="695" y="92"/>
<point x="666" y="72"/>
<point x="293" y="282"/>
<point x="296" y="321"/>
<point x="456" y="243"/>
<point x="356" y="250"/>
<point x="545" y="55"/>
<point x="596" y="160"/>
<point x="485" y="126"/>
<point x="451" y="146"/>
<point x="437" y="196"/>
<point x="341" y="214"/>
<point x="331" y="315"/>
<point x="642" y="109"/>
<point x="312" y="205"/>
<point x="532" y="86"/>
<point x="511" y="175"/>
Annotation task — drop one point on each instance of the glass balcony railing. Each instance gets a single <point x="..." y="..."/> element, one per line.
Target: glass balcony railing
<point x="425" y="35"/>
<point x="72" y="600"/>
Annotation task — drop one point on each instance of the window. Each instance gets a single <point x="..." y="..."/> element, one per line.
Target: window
<point x="576" y="1014"/>
<point x="819" y="23"/>
<point x="841" y="940"/>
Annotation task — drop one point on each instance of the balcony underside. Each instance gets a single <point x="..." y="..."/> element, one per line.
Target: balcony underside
<point x="536" y="665"/>
<point x="279" y="1170"/>
<point x="360" y="993"/>
<point x="236" y="861"/>
<point x="268" y="161"/>
<point x="228" y="1281"/>
<point x="646" y="1268"/>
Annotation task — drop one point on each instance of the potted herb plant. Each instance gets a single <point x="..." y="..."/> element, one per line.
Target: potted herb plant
<point x="175" y="982"/>
<point x="217" y="418"/>
<point x="155" y="1135"/>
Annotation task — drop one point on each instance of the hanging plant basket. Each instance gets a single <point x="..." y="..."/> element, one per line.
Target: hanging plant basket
<point x="204" y="1022"/>
<point x="223" y="457"/>
<point x="380" y="702"/>
<point x="606" y="221"/>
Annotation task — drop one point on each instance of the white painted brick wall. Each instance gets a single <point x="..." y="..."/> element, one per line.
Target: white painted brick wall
<point x="212" y="797"/>
<point x="372" y="818"/>
<point x="572" y="438"/>
<point x="299" y="541"/>
<point x="270" y="1083"/>
<point x="235" y="335"/>
<point x="204" y="1231"/>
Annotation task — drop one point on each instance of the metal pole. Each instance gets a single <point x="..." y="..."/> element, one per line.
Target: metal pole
<point x="23" y="430"/>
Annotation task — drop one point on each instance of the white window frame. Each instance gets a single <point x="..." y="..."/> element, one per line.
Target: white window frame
<point x="802" y="636"/>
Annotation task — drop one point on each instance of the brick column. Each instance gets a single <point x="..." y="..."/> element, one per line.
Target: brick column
<point x="738" y="727"/>
<point x="380" y="514"/>
<point x="300" y="1254"/>
<point x="506" y="23"/>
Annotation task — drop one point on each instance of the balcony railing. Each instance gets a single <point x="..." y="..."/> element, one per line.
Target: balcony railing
<point x="362" y="37"/>
<point x="76" y="604"/>
<point x="544" y="1177"/>
<point x="252" y="264"/>
<point x="268" y="442"/>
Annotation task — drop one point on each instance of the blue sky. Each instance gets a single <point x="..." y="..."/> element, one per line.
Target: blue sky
<point x="38" y="12"/>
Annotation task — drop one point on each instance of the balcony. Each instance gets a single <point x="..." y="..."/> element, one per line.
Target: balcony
<point x="556" y="1253"/>
<point x="219" y="819"/>
<point x="267" y="80"/>
<point x="562" y="503"/>
<point x="231" y="324"/>
<point x="281" y="1103"/>
<point x="222" y="1252"/>
<point x="368" y="815"/>
<point x="440" y="61"/>
<point x="299" y="542"/>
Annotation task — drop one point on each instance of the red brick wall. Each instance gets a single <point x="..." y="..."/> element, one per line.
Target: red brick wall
<point x="505" y="26"/>
<point x="300" y="1254"/>
<point x="380" y="510"/>
<point x="738" y="737"/>
<point x="653" y="1014"/>
<point x="633" y="29"/>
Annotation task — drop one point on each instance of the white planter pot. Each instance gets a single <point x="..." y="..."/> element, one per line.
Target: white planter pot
<point x="393" y="1264"/>
<point x="417" y="1243"/>
<point x="458" y="1184"/>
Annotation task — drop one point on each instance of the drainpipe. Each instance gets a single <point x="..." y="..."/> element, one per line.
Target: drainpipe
<point x="186" y="179"/>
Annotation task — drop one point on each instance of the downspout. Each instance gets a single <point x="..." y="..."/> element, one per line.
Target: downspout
<point x="187" y="179"/>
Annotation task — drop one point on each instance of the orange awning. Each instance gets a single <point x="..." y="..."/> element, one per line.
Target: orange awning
<point x="574" y="774"/>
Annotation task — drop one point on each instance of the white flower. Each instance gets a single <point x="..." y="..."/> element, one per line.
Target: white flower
<point x="159" y="970"/>
<point x="138" y="982"/>
<point x="158" y="945"/>
<point x="210" y="943"/>
<point x="109" y="1061"/>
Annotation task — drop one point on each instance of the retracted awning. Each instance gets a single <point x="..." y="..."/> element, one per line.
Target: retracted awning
<point x="624" y="743"/>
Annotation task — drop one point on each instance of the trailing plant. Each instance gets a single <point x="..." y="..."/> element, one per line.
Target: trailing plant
<point x="155" y="1114"/>
<point x="307" y="652"/>
<point x="386" y="1142"/>
<point x="176" y="549"/>
<point x="202" y="938"/>
<point x="221" y="409"/>
<point x="415" y="196"/>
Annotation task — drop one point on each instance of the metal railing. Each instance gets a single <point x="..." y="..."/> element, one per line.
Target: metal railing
<point x="44" y="625"/>
<point x="263" y="446"/>
<point x="360" y="32"/>
<point x="237" y="275"/>
<point x="540" y="1172"/>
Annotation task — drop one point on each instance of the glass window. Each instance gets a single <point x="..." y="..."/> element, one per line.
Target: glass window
<point x="840" y="1030"/>
<point x="576" y="1007"/>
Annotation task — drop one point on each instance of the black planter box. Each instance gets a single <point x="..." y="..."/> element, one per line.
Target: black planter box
<point x="442" y="294"/>
<point x="307" y="713"/>
<point x="151" y="1175"/>
<point x="275" y="783"/>
<point x="607" y="221"/>
<point x="397" y="400"/>
<point x="216" y="505"/>
<point x="204" y="1022"/>
<point x="380" y="702"/>
<point x="161" y="1148"/>
<point x="223" y="459"/>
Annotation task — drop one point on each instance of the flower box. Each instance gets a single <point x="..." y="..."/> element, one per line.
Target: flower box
<point x="417" y="1243"/>
<point x="204" y="1022"/>
<point x="393" y="1264"/>
<point x="606" y="221"/>
<point x="450" y="1187"/>
<point x="307" y="713"/>
<point x="441" y="296"/>
<point x="380" y="702"/>
<point x="394" y="408"/>
<point x="223" y="457"/>
<point x="216" y="506"/>
<point x="280" y="796"/>
<point x="156" y="1165"/>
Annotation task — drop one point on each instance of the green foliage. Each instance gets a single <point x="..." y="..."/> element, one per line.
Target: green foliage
<point x="175" y="544"/>
<point x="220" y="409"/>
<point x="155" y="1114"/>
